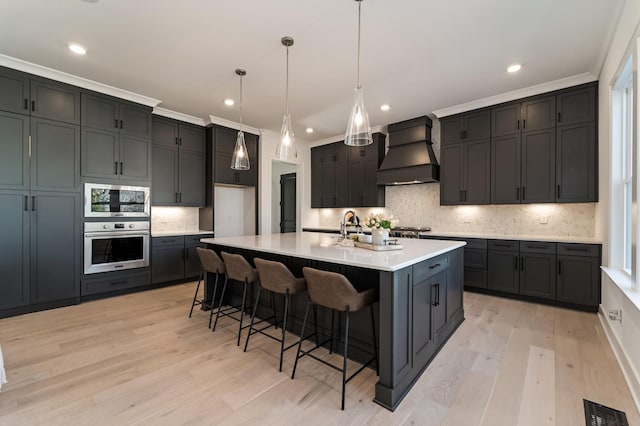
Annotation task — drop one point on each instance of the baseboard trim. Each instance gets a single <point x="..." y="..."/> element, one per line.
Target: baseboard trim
<point x="633" y="381"/>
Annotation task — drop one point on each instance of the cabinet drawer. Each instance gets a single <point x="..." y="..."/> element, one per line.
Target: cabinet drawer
<point x="115" y="282"/>
<point x="475" y="278"/>
<point x="195" y="239"/>
<point x="537" y="247"/>
<point x="473" y="243"/>
<point x="428" y="268"/>
<point x="475" y="258"/>
<point x="508" y="245"/>
<point x="573" y="249"/>
<point x="168" y="241"/>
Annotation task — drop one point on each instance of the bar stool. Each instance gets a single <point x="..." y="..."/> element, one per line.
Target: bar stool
<point x="210" y="262"/>
<point x="238" y="269"/>
<point x="276" y="278"/>
<point x="334" y="291"/>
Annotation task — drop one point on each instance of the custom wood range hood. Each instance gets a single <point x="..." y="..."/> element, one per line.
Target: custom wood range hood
<point x="410" y="158"/>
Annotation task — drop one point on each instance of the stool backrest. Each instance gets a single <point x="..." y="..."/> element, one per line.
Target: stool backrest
<point x="332" y="290"/>
<point x="210" y="261"/>
<point x="275" y="276"/>
<point x="238" y="268"/>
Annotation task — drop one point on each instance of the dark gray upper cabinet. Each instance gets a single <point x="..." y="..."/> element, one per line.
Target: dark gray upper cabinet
<point x="55" y="156"/>
<point x="316" y="177"/>
<point x="539" y="113"/>
<point x="363" y="165"/>
<point x="538" y="160"/>
<point x="178" y="162"/>
<point x="101" y="112"/>
<point x="135" y="158"/>
<point x="14" y="248"/>
<point x="466" y="127"/>
<point x="30" y="95"/>
<point x="577" y="105"/>
<point x="14" y="151"/>
<point x="224" y="140"/>
<point x="505" y="173"/>
<point x="106" y="154"/>
<point x="576" y="163"/>
<point x="465" y="173"/>
<point x="505" y="119"/>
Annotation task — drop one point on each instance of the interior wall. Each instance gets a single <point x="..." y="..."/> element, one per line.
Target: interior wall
<point x="183" y="219"/>
<point x="235" y="211"/>
<point x="625" y="334"/>
<point x="279" y="168"/>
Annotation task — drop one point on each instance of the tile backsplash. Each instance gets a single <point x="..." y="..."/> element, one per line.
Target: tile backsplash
<point x="176" y="219"/>
<point x="419" y="205"/>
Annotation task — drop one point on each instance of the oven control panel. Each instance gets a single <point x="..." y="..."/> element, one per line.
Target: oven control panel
<point x="143" y="225"/>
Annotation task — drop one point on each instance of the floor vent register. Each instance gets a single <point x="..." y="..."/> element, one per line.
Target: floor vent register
<point x="599" y="415"/>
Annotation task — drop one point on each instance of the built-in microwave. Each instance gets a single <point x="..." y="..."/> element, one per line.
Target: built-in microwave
<point x="101" y="200"/>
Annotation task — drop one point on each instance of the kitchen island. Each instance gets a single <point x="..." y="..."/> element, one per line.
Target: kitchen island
<point x="420" y="290"/>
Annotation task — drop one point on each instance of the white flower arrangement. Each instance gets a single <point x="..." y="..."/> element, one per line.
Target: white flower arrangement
<point x="380" y="221"/>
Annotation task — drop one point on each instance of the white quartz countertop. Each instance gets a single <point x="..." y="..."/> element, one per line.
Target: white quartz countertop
<point x="324" y="247"/>
<point x="178" y="233"/>
<point x="489" y="236"/>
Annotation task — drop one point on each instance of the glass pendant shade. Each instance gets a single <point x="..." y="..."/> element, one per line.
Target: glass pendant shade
<point x="240" y="157"/>
<point x="358" y="129"/>
<point x="286" y="146"/>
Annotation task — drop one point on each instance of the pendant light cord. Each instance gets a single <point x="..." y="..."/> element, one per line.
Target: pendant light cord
<point x="286" y="102"/>
<point x="241" y="103"/>
<point x="359" y="13"/>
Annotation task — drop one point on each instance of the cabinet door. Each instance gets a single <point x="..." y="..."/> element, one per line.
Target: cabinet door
<point x="99" y="112"/>
<point x="477" y="170"/>
<point x="167" y="263"/>
<point x="538" y="275"/>
<point x="164" y="191"/>
<point x="191" y="261"/>
<point x="505" y="120"/>
<point x="374" y="194"/>
<point x="577" y="106"/>
<point x="223" y="171"/>
<point x="451" y="184"/>
<point x="192" y="138"/>
<point x="578" y="280"/>
<point x="451" y="129"/>
<point x="14" y="91"/>
<point x="55" y="101"/>
<point x="538" y="114"/>
<point x="99" y="153"/>
<point x="329" y="185"/>
<point x="439" y="301"/>
<point x="135" y="120"/>
<point x="14" y="249"/>
<point x="576" y="169"/>
<point x="502" y="267"/>
<point x="505" y="169"/>
<point x="14" y="151"/>
<point x="55" y="156"/>
<point x="164" y="132"/>
<point x="477" y="125"/>
<point x="423" y="336"/>
<point x="538" y="165"/>
<point x="356" y="183"/>
<point x="316" y="177"/>
<point x="224" y="140"/>
<point x="192" y="177"/>
<point x="340" y="152"/>
<point x="342" y="184"/>
<point x="135" y="158"/>
<point x="55" y="246"/>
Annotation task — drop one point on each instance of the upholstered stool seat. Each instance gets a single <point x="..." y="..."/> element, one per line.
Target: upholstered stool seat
<point x="276" y="278"/>
<point x="335" y="291"/>
<point x="210" y="262"/>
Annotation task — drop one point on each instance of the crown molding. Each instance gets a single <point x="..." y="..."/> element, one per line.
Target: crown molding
<point x="340" y="137"/>
<point x="231" y="124"/>
<point x="163" y="112"/>
<point x="518" y="94"/>
<point x="39" y="70"/>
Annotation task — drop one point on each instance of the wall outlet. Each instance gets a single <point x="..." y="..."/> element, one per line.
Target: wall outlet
<point x="466" y="219"/>
<point x="615" y="314"/>
<point x="544" y="220"/>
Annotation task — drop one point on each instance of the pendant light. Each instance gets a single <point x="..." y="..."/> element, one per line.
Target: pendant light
<point x="240" y="157"/>
<point x="286" y="145"/>
<point x="358" y="129"/>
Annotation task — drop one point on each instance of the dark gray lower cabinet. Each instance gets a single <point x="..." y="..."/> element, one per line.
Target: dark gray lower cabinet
<point x="40" y="247"/>
<point x="503" y="266"/>
<point x="175" y="258"/>
<point x="111" y="282"/>
<point x="538" y="275"/>
<point x="578" y="274"/>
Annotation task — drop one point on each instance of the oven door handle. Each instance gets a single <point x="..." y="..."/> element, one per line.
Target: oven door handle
<point x="116" y="234"/>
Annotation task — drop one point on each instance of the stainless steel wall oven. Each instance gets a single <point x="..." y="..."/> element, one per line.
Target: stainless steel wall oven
<point x="114" y="246"/>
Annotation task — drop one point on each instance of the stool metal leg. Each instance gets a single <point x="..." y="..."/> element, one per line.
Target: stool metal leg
<point x="332" y="327"/>
<point x="195" y="296"/>
<point x="244" y="302"/>
<point x="273" y="306"/>
<point x="315" y="324"/>
<point x="253" y="317"/>
<point x="344" y="359"/>
<point x="375" y="341"/>
<point x="213" y="297"/>
<point x="304" y="326"/>
<point x="224" y="289"/>
<point x="284" y="326"/>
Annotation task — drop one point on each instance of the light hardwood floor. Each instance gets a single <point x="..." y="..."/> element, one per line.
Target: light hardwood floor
<point x="138" y="359"/>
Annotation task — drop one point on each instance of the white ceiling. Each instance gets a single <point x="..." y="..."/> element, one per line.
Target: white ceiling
<point x="417" y="55"/>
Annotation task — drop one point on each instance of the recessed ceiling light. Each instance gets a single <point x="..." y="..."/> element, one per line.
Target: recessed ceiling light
<point x="229" y="102"/>
<point x="385" y="107"/>
<point x="514" y="68"/>
<point x="309" y="130"/>
<point x="76" y="48"/>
